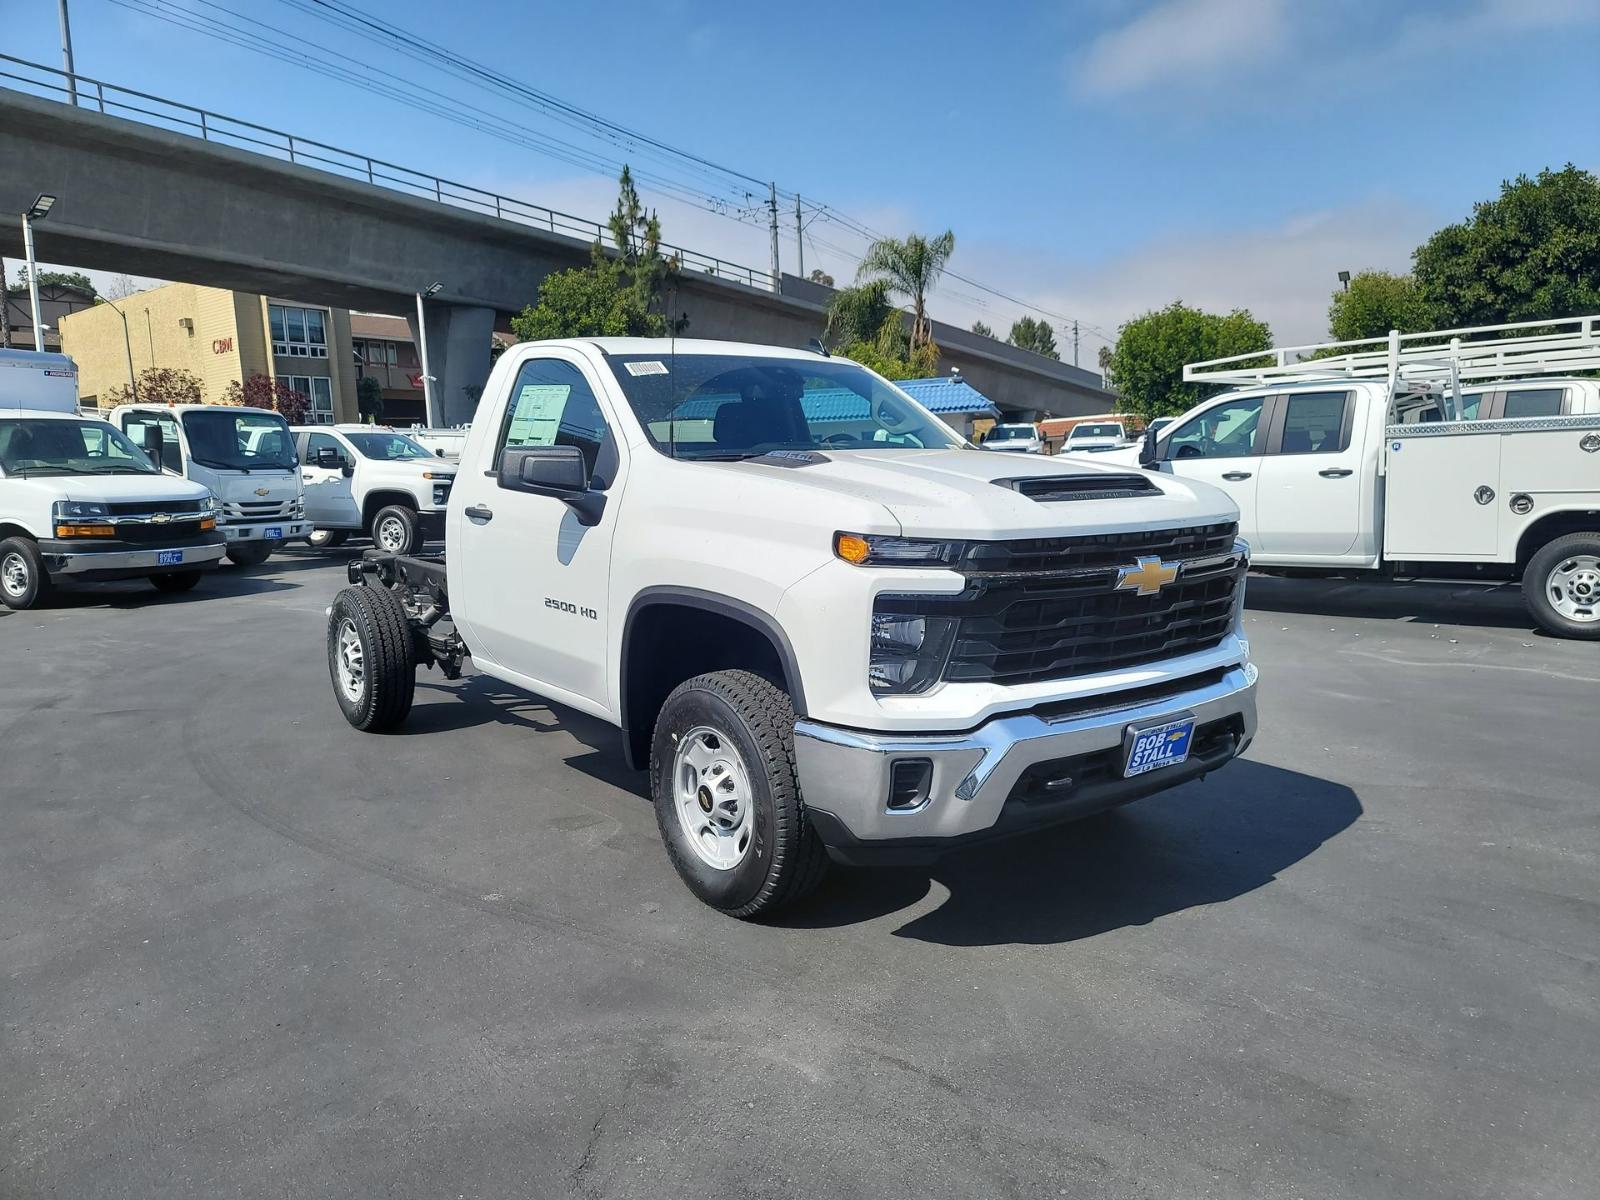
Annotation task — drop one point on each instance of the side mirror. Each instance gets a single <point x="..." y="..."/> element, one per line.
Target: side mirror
<point x="558" y="471"/>
<point x="1147" y="449"/>
<point x="327" y="458"/>
<point x="347" y="469"/>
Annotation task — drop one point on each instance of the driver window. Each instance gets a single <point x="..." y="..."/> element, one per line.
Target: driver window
<point x="1229" y="430"/>
<point x="324" y="441"/>
<point x="552" y="404"/>
<point x="138" y="426"/>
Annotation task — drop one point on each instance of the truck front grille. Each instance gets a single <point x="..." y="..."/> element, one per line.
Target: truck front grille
<point x="257" y="510"/>
<point x="1044" y="609"/>
<point x="172" y="531"/>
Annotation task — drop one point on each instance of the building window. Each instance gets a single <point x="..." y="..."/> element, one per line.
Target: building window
<point x="318" y="391"/>
<point x="298" y="332"/>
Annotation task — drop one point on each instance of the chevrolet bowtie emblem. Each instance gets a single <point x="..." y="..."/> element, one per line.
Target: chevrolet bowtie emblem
<point x="160" y="518"/>
<point x="1147" y="576"/>
<point x="263" y="492"/>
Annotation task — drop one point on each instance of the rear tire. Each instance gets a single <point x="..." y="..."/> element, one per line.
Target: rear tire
<point x="176" y="581"/>
<point x="1561" y="586"/>
<point x="726" y="796"/>
<point x="320" y="539"/>
<point x="251" y="554"/>
<point x="396" y="529"/>
<point x="371" y="659"/>
<point x="23" y="580"/>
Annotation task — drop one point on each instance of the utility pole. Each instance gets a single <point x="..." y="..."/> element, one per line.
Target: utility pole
<point x="1074" y="343"/>
<point x="772" y="214"/>
<point x="66" y="56"/>
<point x="5" y="309"/>
<point x="799" y="239"/>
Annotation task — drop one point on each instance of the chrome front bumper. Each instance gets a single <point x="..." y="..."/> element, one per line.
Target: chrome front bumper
<point x="82" y="562"/>
<point x="846" y="774"/>
<point x="255" y="533"/>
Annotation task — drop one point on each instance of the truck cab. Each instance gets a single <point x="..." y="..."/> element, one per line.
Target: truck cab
<point x="1095" y="437"/>
<point x="244" y="456"/>
<point x="373" y="481"/>
<point x="80" y="502"/>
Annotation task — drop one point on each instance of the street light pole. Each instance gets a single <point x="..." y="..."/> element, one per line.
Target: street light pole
<point x="430" y="401"/>
<point x="38" y="212"/>
<point x="66" y="56"/>
<point x="127" y="346"/>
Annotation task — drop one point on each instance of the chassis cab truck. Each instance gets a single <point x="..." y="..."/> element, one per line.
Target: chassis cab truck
<point x="79" y="501"/>
<point x="1466" y="453"/>
<point x="244" y="456"/>
<point x="828" y="626"/>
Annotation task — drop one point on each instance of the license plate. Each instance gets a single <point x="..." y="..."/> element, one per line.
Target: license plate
<point x="168" y="558"/>
<point x="272" y="531"/>
<point x="1155" y="746"/>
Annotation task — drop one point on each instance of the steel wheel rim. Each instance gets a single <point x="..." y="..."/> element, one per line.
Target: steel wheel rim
<point x="351" y="661"/>
<point x="317" y="537"/>
<point x="14" y="575"/>
<point x="1573" y="587"/>
<point x="392" y="534"/>
<point x="711" y="795"/>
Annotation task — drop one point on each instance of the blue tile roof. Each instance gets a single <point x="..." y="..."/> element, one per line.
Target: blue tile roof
<point x="948" y="394"/>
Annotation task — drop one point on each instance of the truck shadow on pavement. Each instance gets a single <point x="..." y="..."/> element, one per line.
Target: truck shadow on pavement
<point x="1464" y="604"/>
<point x="1202" y="843"/>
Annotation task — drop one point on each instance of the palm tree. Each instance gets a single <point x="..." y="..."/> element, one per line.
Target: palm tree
<point x="910" y="268"/>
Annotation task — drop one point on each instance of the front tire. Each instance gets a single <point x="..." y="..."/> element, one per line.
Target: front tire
<point x="370" y="658"/>
<point x="396" y="529"/>
<point x="320" y="539"/>
<point x="23" y="580"/>
<point x="1561" y="586"/>
<point x="251" y="554"/>
<point x="726" y="796"/>
<point x="176" y="581"/>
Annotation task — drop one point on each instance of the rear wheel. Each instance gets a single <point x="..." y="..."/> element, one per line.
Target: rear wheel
<point x="251" y="554"/>
<point x="726" y="797"/>
<point x="23" y="580"/>
<point x="370" y="658"/>
<point x="176" y="581"/>
<point x="396" y="529"/>
<point x="1561" y="586"/>
<point x="328" y="538"/>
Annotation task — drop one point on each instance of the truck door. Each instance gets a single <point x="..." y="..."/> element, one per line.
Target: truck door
<point x="1312" y="485"/>
<point x="529" y="580"/>
<point x="1222" y="445"/>
<point x="330" y="498"/>
<point x="143" y="426"/>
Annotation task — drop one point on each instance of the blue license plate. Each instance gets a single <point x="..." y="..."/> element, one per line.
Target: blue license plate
<point x="272" y="531"/>
<point x="1157" y="746"/>
<point x="168" y="558"/>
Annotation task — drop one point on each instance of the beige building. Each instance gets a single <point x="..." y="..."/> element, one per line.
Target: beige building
<point x="220" y="337"/>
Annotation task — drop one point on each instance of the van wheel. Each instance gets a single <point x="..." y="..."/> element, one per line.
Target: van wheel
<point x="726" y="797"/>
<point x="176" y="581"/>
<point x="250" y="554"/>
<point x="1561" y="586"/>
<point x="396" y="529"/>
<point x="319" y="539"/>
<point x="370" y="658"/>
<point x="23" y="580"/>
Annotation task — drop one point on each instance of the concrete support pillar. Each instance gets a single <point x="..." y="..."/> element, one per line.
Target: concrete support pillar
<point x="459" y="340"/>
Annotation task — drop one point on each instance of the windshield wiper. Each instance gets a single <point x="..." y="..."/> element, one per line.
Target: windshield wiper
<point x="722" y="456"/>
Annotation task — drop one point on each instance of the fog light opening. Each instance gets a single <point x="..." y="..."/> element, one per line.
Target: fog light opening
<point x="910" y="782"/>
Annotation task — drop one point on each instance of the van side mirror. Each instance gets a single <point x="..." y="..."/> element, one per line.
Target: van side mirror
<point x="1147" y="449"/>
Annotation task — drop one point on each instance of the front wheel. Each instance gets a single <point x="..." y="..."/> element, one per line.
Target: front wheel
<point x="726" y="797"/>
<point x="370" y="658"/>
<point x="1561" y="586"/>
<point x="320" y="539"/>
<point x="23" y="579"/>
<point x="396" y="529"/>
<point x="251" y="554"/>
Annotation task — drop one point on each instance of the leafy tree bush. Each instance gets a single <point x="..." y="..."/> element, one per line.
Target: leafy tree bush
<point x="157" y="385"/>
<point x="369" y="399"/>
<point x="982" y="330"/>
<point x="1377" y="302"/>
<point x="263" y="391"/>
<point x="910" y="268"/>
<point x="1152" y="349"/>
<point x="1029" y="334"/>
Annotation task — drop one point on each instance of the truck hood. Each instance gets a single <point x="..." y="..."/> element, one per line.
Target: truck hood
<point x="108" y="489"/>
<point x="955" y="493"/>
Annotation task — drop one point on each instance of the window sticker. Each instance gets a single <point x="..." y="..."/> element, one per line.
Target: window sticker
<point x="646" y="368"/>
<point x="537" y="414"/>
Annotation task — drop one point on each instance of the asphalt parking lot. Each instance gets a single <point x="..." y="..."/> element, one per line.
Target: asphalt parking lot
<point x="246" y="951"/>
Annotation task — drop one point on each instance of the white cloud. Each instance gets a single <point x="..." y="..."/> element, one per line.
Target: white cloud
<point x="1183" y="37"/>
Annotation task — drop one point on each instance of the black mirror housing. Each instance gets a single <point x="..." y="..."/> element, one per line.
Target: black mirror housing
<point x="327" y="458"/>
<point x="547" y="470"/>
<point x="1147" y="449"/>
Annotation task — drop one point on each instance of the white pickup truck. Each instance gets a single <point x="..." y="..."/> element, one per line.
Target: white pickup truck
<point x="829" y="626"/>
<point x="244" y="456"/>
<point x="1465" y="453"/>
<point x="367" y="479"/>
<point x="79" y="501"/>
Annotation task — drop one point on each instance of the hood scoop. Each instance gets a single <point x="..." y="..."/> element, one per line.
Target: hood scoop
<point x="1048" y="489"/>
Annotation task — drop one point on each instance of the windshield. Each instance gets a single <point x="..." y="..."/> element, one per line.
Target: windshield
<point x="235" y="440"/>
<point x="52" y="447"/>
<point x="1011" y="433"/>
<point x="387" y="446"/>
<point x="1089" y="431"/>
<point x="727" y="406"/>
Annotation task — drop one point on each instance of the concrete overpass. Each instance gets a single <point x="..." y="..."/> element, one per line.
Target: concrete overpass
<point x="148" y="201"/>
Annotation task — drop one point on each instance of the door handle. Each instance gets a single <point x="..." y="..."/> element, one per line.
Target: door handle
<point x="476" y="512"/>
<point x="1236" y="476"/>
<point x="1335" y="472"/>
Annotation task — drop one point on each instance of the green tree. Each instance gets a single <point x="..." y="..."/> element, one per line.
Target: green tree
<point x="864" y="326"/>
<point x="157" y="385"/>
<point x="982" y="330"/>
<point x="857" y="314"/>
<point x="266" y="391"/>
<point x="911" y="268"/>
<point x="1029" y="334"/>
<point x="72" y="279"/>
<point x="1532" y="253"/>
<point x="1375" y="303"/>
<point x="818" y="275"/>
<point x="369" y="399"/>
<point x="1152" y="349"/>
<point x="619" y="293"/>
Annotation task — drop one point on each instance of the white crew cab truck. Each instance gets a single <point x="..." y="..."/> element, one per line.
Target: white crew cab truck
<point x="245" y="456"/>
<point x="1019" y="438"/>
<point x="828" y="625"/>
<point x="79" y="501"/>
<point x="370" y="480"/>
<point x="1464" y="453"/>
<point x="1095" y="437"/>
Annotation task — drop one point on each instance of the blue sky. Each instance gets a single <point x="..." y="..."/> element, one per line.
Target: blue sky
<point x="1096" y="158"/>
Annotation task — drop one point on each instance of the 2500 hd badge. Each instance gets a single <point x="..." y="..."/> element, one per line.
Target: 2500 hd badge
<point x="563" y="606"/>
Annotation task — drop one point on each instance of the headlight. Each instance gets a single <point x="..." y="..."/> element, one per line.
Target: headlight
<point x="81" y="518"/>
<point x="79" y="510"/>
<point x="871" y="550"/>
<point x="908" y="652"/>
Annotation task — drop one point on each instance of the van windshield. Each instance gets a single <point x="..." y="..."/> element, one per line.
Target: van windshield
<point x="235" y="440"/>
<point x="386" y="446"/>
<point x="732" y="406"/>
<point x="41" y="446"/>
<point x="1011" y="433"/>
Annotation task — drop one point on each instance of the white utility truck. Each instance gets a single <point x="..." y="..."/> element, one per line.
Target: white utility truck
<point x="366" y="479"/>
<point x="79" y="501"/>
<point x="1020" y="438"/>
<point x="245" y="456"/>
<point x="1461" y="453"/>
<point x="836" y="636"/>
